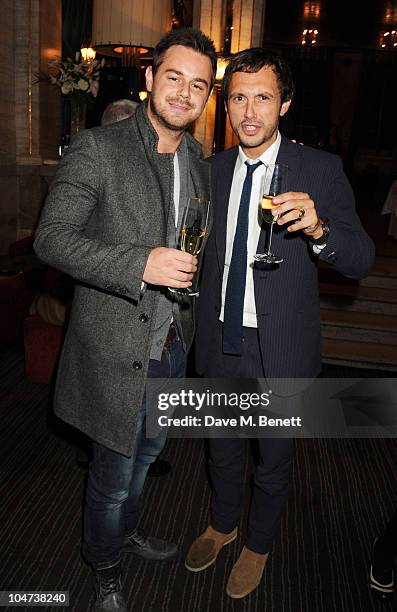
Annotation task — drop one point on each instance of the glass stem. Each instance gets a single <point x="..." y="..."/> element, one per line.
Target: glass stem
<point x="269" y="241"/>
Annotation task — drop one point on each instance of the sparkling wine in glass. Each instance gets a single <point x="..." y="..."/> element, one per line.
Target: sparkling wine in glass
<point x="193" y="231"/>
<point x="273" y="183"/>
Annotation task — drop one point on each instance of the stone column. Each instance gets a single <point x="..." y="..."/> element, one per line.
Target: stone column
<point x="8" y="219"/>
<point x="30" y="33"/>
<point x="248" y="24"/>
<point x="248" y="27"/>
<point x="209" y="16"/>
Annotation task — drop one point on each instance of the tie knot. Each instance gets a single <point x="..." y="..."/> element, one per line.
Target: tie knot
<point x="252" y="167"/>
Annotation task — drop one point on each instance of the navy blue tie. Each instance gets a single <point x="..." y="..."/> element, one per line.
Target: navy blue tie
<point x="235" y="289"/>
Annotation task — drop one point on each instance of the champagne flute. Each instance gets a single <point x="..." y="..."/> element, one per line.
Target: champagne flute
<point x="273" y="183"/>
<point x="193" y="230"/>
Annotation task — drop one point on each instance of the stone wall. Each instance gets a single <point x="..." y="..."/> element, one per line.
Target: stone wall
<point x="30" y="33"/>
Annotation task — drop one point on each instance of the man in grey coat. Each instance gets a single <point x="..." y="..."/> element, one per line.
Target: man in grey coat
<point x="111" y="221"/>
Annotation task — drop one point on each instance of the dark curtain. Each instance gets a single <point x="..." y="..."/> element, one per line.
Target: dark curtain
<point x="76" y="25"/>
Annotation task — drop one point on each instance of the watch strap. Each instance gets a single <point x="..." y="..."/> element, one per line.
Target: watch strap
<point x="326" y="230"/>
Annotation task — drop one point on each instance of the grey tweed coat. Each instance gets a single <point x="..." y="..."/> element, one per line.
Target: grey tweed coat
<point x="107" y="208"/>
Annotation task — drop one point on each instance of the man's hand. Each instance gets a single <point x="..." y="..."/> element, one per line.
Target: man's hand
<point x="170" y="268"/>
<point x="298" y="207"/>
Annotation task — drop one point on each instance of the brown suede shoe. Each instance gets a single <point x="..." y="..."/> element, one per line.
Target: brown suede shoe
<point x="205" y="549"/>
<point x="246" y="573"/>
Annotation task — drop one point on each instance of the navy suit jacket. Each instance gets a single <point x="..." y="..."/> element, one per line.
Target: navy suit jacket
<point x="287" y="298"/>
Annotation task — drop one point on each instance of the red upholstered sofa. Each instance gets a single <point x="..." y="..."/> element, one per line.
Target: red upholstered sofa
<point x="45" y="328"/>
<point x="42" y="343"/>
<point x="22" y="298"/>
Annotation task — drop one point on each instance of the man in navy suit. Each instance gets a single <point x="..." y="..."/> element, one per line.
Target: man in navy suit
<point x="255" y="322"/>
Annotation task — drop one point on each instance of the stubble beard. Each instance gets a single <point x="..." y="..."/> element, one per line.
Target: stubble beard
<point x="162" y="119"/>
<point x="251" y="143"/>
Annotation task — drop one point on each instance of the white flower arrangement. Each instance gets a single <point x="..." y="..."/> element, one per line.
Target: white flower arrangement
<point x="75" y="77"/>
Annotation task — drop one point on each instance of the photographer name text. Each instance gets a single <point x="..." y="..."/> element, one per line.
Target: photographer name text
<point x="242" y="421"/>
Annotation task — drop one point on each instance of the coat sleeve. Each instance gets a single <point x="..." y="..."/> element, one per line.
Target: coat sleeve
<point x="349" y="248"/>
<point x="63" y="238"/>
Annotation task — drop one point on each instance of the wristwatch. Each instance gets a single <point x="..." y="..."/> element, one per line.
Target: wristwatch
<point x="326" y="229"/>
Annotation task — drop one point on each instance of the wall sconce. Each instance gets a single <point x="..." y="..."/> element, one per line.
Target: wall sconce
<point x="221" y="64"/>
<point x="143" y="95"/>
<point x="220" y="112"/>
<point x="388" y="40"/>
<point x="88" y="54"/>
<point x="309" y="37"/>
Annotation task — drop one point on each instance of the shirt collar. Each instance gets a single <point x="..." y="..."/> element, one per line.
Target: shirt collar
<point x="268" y="157"/>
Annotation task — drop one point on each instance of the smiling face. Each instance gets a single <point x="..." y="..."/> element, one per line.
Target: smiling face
<point x="179" y="89"/>
<point x="254" y="107"/>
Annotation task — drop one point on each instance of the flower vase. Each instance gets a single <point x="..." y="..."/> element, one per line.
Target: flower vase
<point x="78" y="111"/>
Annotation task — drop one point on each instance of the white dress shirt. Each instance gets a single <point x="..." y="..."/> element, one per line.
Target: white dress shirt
<point x="177" y="187"/>
<point x="240" y="171"/>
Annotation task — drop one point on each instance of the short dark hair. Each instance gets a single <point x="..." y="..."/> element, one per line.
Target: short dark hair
<point x="252" y="60"/>
<point x="186" y="37"/>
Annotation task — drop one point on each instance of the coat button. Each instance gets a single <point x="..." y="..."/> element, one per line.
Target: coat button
<point x="137" y="365"/>
<point x="143" y="317"/>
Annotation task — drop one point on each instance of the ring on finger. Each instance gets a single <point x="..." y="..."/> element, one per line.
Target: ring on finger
<point x="302" y="212"/>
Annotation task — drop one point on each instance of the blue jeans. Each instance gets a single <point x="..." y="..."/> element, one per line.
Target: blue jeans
<point x="115" y="482"/>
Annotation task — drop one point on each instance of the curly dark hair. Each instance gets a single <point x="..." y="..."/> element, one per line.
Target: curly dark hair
<point x="252" y="60"/>
<point x="186" y="37"/>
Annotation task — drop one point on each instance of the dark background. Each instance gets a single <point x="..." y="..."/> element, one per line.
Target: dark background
<point x="345" y="83"/>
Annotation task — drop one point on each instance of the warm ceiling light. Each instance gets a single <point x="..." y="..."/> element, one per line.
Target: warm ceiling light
<point x="390" y="13"/>
<point x="138" y="50"/>
<point x="311" y="10"/>
<point x="129" y="24"/>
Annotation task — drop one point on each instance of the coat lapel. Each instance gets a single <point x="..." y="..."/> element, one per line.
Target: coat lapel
<point x="201" y="179"/>
<point x="200" y="175"/>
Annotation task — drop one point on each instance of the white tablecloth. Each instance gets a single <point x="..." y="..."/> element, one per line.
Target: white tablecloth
<point x="390" y="208"/>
